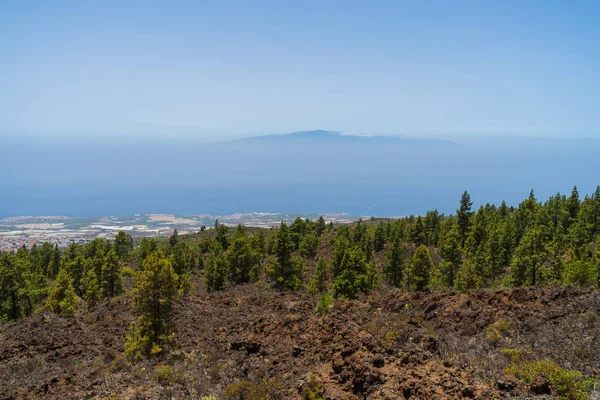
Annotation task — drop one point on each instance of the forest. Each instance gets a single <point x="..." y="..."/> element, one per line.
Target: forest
<point x="551" y="243"/>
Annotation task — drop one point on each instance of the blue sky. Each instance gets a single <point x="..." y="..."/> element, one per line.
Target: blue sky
<point x="225" y="69"/>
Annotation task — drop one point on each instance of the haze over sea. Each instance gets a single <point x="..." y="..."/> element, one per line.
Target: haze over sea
<point x="119" y="108"/>
<point x="321" y="172"/>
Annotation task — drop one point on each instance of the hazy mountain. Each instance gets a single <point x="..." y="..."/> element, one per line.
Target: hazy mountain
<point x="336" y="137"/>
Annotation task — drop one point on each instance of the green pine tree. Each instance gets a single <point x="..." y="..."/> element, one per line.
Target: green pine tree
<point x="123" y="244"/>
<point x="112" y="284"/>
<point x="380" y="237"/>
<point x="451" y="254"/>
<point x="318" y="283"/>
<point x="421" y="268"/>
<point x="286" y="272"/>
<point x="393" y="268"/>
<point x="62" y="299"/>
<point x="155" y="289"/>
<point x="215" y="269"/>
<point x="464" y="217"/>
<point x="91" y="288"/>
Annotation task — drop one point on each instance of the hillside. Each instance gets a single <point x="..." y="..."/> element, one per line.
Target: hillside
<point x="501" y="302"/>
<point x="391" y="345"/>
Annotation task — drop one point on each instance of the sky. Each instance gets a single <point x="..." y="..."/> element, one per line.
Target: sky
<point x="229" y="69"/>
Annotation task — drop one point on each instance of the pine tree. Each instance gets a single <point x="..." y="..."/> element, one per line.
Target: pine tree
<point x="243" y="261"/>
<point x="417" y="232"/>
<point x="309" y="245"/>
<point x="90" y="288"/>
<point x="321" y="226"/>
<point x="529" y="258"/>
<point x="54" y="264"/>
<point x="503" y="210"/>
<point x="432" y="224"/>
<point x="62" y="299"/>
<point x="353" y="275"/>
<point x="451" y="254"/>
<point x="380" y="237"/>
<point x="76" y="269"/>
<point x="112" y="284"/>
<point x="286" y="273"/>
<point x="367" y="245"/>
<point x="421" y="268"/>
<point x="147" y="247"/>
<point x="96" y="248"/>
<point x="72" y="252"/>
<point x="123" y="244"/>
<point x="215" y="269"/>
<point x="464" y="217"/>
<point x="494" y="254"/>
<point x="573" y="203"/>
<point x="394" y="267"/>
<point x="174" y="239"/>
<point x="19" y="288"/>
<point x="318" y="283"/>
<point x="340" y="246"/>
<point x="155" y="289"/>
<point x="468" y="277"/>
<point x="297" y="230"/>
<point x="182" y="259"/>
<point x="580" y="269"/>
<point x="358" y="232"/>
<point x="222" y="236"/>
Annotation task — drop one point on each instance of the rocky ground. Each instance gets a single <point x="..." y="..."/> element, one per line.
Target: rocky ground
<point x="251" y="342"/>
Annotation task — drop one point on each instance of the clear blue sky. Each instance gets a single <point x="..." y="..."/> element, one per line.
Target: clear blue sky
<point x="219" y="69"/>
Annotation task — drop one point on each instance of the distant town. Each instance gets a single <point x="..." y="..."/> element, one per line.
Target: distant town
<point x="16" y="232"/>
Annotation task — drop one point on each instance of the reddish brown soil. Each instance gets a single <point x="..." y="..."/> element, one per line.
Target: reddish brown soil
<point x="390" y="345"/>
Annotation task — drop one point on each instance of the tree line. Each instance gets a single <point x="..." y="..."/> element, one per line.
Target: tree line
<point x="534" y="243"/>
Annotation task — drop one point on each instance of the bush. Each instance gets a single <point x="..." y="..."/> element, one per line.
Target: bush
<point x="514" y="355"/>
<point x="567" y="383"/>
<point x="166" y="375"/>
<point x="591" y="385"/>
<point x="136" y="344"/>
<point x="312" y="390"/>
<point x="323" y="305"/>
<point x="497" y="331"/>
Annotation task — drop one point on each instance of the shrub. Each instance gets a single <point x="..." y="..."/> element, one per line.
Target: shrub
<point x="323" y="305"/>
<point x="312" y="390"/>
<point x="591" y="385"/>
<point x="514" y="355"/>
<point x="166" y="375"/>
<point x="497" y="331"/>
<point x="185" y="284"/>
<point x="567" y="383"/>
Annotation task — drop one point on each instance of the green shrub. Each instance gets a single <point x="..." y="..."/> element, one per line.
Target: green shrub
<point x="591" y="385"/>
<point x="166" y="375"/>
<point x="497" y="331"/>
<point x="567" y="383"/>
<point x="312" y="390"/>
<point x="323" y="305"/>
<point x="514" y="355"/>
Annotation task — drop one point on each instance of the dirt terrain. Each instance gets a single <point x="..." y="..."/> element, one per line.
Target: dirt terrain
<point x="253" y="342"/>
